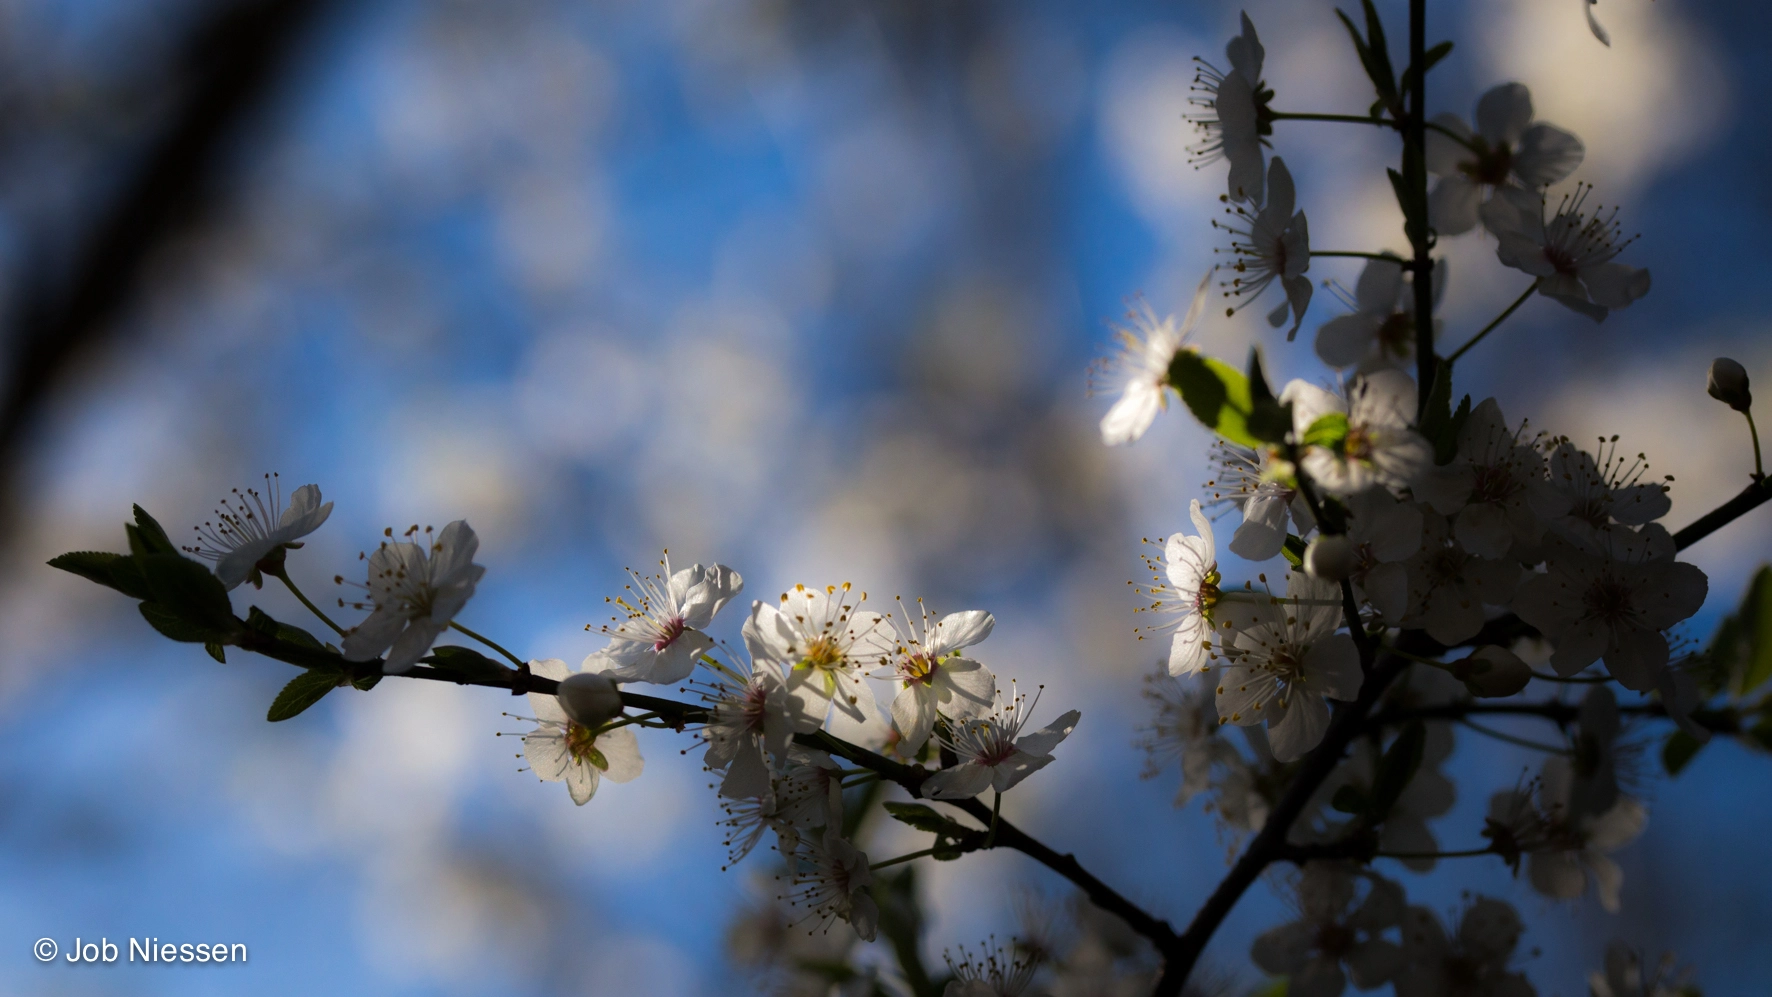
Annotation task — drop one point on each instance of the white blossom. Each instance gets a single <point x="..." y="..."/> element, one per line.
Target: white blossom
<point x="1287" y="664"/>
<point x="923" y="655"/>
<point x="560" y="750"/>
<point x="993" y="751"/>
<point x="1495" y="486"/>
<point x="1571" y="253"/>
<point x="1332" y="932"/>
<point x="1272" y="243"/>
<point x="804" y="796"/>
<point x="1507" y="149"/>
<point x="660" y="633"/>
<point x="1259" y="485"/>
<point x="1185" y="596"/>
<point x="1448" y="585"/>
<point x="1385" y="533"/>
<point x="1429" y="794"/>
<point x="1472" y="962"/>
<point x="415" y="593"/>
<point x="821" y="641"/>
<point x="1380" y="331"/>
<point x="830" y="882"/>
<point x="1613" y="608"/>
<point x="1141" y="368"/>
<point x="1628" y="973"/>
<point x="995" y="972"/>
<point x="242" y="534"/>
<point x="1233" y="114"/>
<point x="1605" y="494"/>
<point x="1578" y="847"/>
<point x="1362" y="441"/>
<point x="753" y="720"/>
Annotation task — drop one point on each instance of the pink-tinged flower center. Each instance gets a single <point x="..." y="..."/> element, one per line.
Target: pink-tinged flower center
<point x="668" y="633"/>
<point x="1609" y="599"/>
<point x="1494" y="483"/>
<point x="755" y="707"/>
<point x="997" y="749"/>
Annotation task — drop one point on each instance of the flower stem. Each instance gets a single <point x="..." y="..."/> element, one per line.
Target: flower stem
<point x="990" y="839"/>
<point x="902" y="858"/>
<point x="1572" y="679"/>
<point x="513" y="658"/>
<point x="1356" y="254"/>
<point x="1462" y="350"/>
<point x="1454" y="136"/>
<point x="1759" y="469"/>
<point x="1511" y="739"/>
<point x="1352" y="119"/>
<point x="1466" y="854"/>
<point x="283" y="576"/>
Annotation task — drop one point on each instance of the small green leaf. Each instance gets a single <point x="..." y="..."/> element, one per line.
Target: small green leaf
<point x="924" y="819"/>
<point x="1215" y="393"/>
<point x="190" y="590"/>
<point x="217" y="651"/>
<point x="130" y="579"/>
<point x="1329" y="430"/>
<point x="1757" y="609"/>
<point x="1678" y="750"/>
<point x="152" y="536"/>
<point x="1294" y="549"/>
<point x="92" y="565"/>
<point x="1269" y="420"/>
<point x="1349" y="800"/>
<point x="465" y="662"/>
<point x="302" y="692"/>
<point x="367" y="682"/>
<point x="176" y="626"/>
<point x="1429" y="59"/>
<point x="1384" y="78"/>
<point x="1397" y="767"/>
<point x="1436" y="415"/>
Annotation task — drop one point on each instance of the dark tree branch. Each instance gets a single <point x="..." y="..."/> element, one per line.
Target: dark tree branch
<point x="228" y="68"/>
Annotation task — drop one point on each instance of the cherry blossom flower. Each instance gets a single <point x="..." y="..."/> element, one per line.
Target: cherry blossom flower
<point x="1629" y="974"/>
<point x="1448" y="585"/>
<point x="1572" y="253"/>
<point x="241" y="535"/>
<point x="561" y="750"/>
<point x="753" y="720"/>
<point x="1429" y="794"/>
<point x="1272" y="243"/>
<point x="1380" y="331"/>
<point x="820" y="640"/>
<point x="1186" y="595"/>
<point x="1508" y="149"/>
<point x="830" y="882"/>
<point x="1287" y="663"/>
<point x="1472" y="962"/>
<point x="1261" y="487"/>
<point x="1385" y="533"/>
<point x="993" y="751"/>
<point x="806" y="795"/>
<point x="1363" y="441"/>
<point x="415" y="594"/>
<point x="1234" y="118"/>
<point x="995" y="972"/>
<point x="1332" y="932"/>
<point x="923" y="655"/>
<point x="1142" y="368"/>
<point x="660" y="635"/>
<point x="1612" y="608"/>
<point x="1495" y="486"/>
<point x="1605" y="495"/>
<point x="1577" y="847"/>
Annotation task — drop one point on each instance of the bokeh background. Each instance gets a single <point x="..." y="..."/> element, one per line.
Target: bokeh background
<point x="806" y="288"/>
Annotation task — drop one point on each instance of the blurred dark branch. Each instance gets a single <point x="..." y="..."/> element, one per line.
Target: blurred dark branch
<point x="228" y="68"/>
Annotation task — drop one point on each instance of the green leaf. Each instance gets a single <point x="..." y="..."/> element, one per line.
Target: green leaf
<point x="130" y="579"/>
<point x="152" y="536"/>
<point x="1436" y="415"/>
<point x="190" y="590"/>
<point x="465" y="662"/>
<point x="1294" y="549"/>
<point x="216" y="651"/>
<point x="302" y="692"/>
<point x="1678" y="750"/>
<point x="1330" y="430"/>
<point x="177" y="627"/>
<point x="1215" y="393"/>
<point x="1396" y="768"/>
<point x="1349" y="800"/>
<point x="366" y="682"/>
<point x="1269" y="421"/>
<point x="924" y="819"/>
<point x="1384" y="78"/>
<point x="1756" y="611"/>
<point x="92" y="565"/>
<point x="1429" y="59"/>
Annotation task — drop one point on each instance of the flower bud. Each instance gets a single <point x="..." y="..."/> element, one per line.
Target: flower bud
<point x="1492" y="672"/>
<point x="1728" y="384"/>
<point x="1330" y="556"/>
<point x="589" y="699"/>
